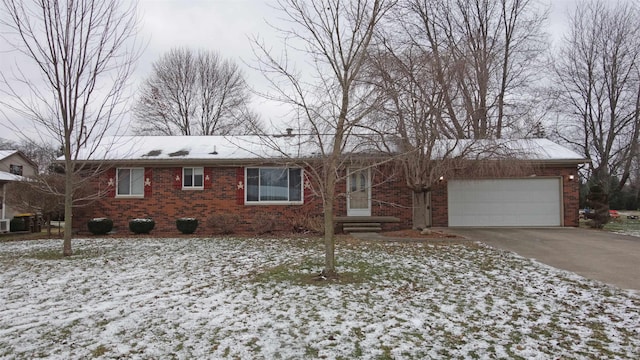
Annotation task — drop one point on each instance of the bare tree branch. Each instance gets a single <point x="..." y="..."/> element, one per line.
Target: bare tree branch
<point x="192" y="93"/>
<point x="84" y="51"/>
<point x="598" y="89"/>
<point x="335" y="36"/>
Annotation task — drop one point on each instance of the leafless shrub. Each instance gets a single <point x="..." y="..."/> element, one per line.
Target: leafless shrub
<point x="264" y="223"/>
<point x="223" y="223"/>
<point x="306" y="223"/>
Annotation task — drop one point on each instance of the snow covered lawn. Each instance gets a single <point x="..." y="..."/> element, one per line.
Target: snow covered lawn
<point x="253" y="298"/>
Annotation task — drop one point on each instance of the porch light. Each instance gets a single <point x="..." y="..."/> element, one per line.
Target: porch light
<point x="571" y="177"/>
<point x="441" y="178"/>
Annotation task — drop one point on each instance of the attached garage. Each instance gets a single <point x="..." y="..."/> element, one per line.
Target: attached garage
<point x="505" y="202"/>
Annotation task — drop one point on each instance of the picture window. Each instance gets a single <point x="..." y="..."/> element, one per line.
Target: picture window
<point x="274" y="185"/>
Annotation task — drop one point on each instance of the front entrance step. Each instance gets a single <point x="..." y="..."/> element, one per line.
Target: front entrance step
<point x="362" y="227"/>
<point x="363" y="224"/>
<point x="362" y="219"/>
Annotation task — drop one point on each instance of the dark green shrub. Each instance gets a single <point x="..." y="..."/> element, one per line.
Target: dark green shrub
<point x="141" y="226"/>
<point x="100" y="226"/>
<point x="17" y="224"/>
<point x="187" y="225"/>
<point x="598" y="201"/>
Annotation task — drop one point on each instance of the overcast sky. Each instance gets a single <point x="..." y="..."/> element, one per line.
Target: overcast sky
<point x="224" y="26"/>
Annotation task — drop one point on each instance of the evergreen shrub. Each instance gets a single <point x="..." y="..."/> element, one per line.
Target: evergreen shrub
<point x="100" y="226"/>
<point x="141" y="226"/>
<point x="187" y="225"/>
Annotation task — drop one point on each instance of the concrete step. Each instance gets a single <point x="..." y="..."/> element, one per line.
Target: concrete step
<point x="363" y="224"/>
<point x="349" y="229"/>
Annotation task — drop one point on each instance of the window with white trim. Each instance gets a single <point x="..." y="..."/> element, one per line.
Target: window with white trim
<point x="193" y="178"/>
<point x="274" y="185"/>
<point x="130" y="182"/>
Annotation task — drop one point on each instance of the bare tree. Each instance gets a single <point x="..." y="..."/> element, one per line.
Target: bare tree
<point x="598" y="90"/>
<point x="407" y="123"/>
<point x="192" y="93"/>
<point x="84" y="52"/>
<point x="441" y="63"/>
<point x="489" y="48"/>
<point x="334" y="36"/>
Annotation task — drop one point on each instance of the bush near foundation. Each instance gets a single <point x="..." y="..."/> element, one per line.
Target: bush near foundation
<point x="141" y="226"/>
<point x="264" y="223"/>
<point x="223" y="223"/>
<point x="187" y="225"/>
<point x="100" y="226"/>
<point x="307" y="223"/>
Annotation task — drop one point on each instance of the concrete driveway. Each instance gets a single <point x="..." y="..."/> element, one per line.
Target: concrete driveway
<point x="595" y="254"/>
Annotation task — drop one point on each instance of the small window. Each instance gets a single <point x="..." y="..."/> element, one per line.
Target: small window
<point x="131" y="182"/>
<point x="192" y="178"/>
<point x="15" y="169"/>
<point x="274" y="185"/>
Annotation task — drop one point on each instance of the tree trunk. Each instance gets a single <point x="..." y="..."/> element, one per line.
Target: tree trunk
<point x="598" y="198"/>
<point x="48" y="220"/>
<point x="421" y="206"/>
<point x="68" y="208"/>
<point x="329" y="229"/>
<point x="329" y="241"/>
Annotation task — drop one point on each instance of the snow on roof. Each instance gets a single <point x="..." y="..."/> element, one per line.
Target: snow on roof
<point x="6" y="153"/>
<point x="525" y="149"/>
<point x="229" y="148"/>
<point x="544" y="149"/>
<point x="196" y="147"/>
<point x="5" y="176"/>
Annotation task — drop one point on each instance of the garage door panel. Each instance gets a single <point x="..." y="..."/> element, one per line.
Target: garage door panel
<point x="505" y="202"/>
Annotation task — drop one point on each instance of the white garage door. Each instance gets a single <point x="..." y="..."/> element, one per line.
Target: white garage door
<point x="505" y="202"/>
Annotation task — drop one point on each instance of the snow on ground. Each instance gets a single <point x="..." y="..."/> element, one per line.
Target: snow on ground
<point x="630" y="232"/>
<point x="252" y="298"/>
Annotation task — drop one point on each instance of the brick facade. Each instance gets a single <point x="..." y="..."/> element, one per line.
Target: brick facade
<point x="165" y="202"/>
<point x="570" y="196"/>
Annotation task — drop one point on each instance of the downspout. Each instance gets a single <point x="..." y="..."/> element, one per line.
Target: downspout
<point x="4" y="196"/>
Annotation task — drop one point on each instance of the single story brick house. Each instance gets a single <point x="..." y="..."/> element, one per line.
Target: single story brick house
<point x="169" y="177"/>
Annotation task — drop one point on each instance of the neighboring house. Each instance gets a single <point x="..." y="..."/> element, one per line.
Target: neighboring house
<point x="168" y="177"/>
<point x="14" y="166"/>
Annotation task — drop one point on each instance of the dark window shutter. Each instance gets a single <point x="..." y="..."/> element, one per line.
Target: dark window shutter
<point x="307" y="187"/>
<point x="208" y="178"/>
<point x="111" y="182"/>
<point x="177" y="178"/>
<point x="148" y="182"/>
<point x="240" y="186"/>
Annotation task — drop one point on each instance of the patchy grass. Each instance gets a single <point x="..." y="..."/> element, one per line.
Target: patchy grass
<point x="623" y="225"/>
<point x="260" y="298"/>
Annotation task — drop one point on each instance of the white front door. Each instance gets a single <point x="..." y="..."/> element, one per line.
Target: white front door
<point x="359" y="193"/>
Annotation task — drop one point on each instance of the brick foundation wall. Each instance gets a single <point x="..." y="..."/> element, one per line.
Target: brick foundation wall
<point x="570" y="196"/>
<point x="167" y="203"/>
